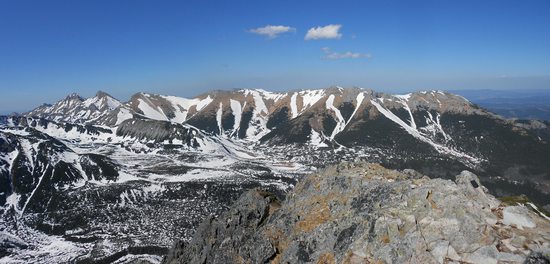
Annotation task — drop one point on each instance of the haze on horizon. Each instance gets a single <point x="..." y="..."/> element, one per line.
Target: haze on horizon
<point x="49" y="49"/>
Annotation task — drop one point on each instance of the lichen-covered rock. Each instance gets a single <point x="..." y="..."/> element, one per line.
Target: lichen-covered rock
<point x="364" y="213"/>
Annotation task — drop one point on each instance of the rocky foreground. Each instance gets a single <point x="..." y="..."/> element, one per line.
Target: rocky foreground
<point x="364" y="213"/>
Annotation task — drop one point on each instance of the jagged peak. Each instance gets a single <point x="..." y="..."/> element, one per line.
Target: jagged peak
<point x="44" y="105"/>
<point x="74" y="96"/>
<point x="102" y="94"/>
<point x="102" y="100"/>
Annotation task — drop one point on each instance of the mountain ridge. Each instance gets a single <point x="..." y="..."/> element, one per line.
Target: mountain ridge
<point x="189" y="157"/>
<point x="435" y="123"/>
<point x="179" y="109"/>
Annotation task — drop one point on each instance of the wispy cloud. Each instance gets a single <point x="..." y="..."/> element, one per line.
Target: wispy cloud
<point x="331" y="55"/>
<point x="326" y="32"/>
<point x="271" y="31"/>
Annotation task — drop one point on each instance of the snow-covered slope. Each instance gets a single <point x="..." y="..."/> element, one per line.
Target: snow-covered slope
<point x="75" y="109"/>
<point x="34" y="166"/>
<point x="188" y="157"/>
<point x="332" y="116"/>
<point x="135" y="134"/>
<point x="432" y="123"/>
<point x="327" y="115"/>
<point x="73" y="192"/>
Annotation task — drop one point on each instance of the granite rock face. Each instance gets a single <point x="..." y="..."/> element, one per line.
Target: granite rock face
<point x="364" y="213"/>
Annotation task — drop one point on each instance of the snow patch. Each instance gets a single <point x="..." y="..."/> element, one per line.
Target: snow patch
<point x="316" y="139"/>
<point x="359" y="99"/>
<point x="35" y="188"/>
<point x="415" y="133"/>
<point x="264" y="94"/>
<point x="237" y="112"/>
<point x="538" y="211"/>
<point x="204" y="102"/>
<point x="311" y="97"/>
<point x="341" y="123"/>
<point x="293" y="105"/>
<point x="403" y="96"/>
<point x="434" y="126"/>
<point x="29" y="150"/>
<point x="150" y="112"/>
<point x="408" y="109"/>
<point x="260" y="104"/>
<point x="182" y="106"/>
<point x="219" y="118"/>
<point x="12" y="201"/>
<point x="123" y="115"/>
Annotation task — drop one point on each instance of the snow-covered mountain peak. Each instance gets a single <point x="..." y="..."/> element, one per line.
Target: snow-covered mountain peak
<point x="102" y="101"/>
<point x="75" y="109"/>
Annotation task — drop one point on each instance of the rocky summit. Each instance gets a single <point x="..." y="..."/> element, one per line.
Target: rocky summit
<point x="365" y="213"/>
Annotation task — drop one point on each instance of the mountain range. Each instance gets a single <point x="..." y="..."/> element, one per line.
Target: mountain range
<point x="93" y="174"/>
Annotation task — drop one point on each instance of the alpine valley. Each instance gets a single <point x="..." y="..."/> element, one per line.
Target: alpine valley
<point x="98" y="180"/>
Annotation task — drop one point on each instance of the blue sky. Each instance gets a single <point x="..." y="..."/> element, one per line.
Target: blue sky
<point x="51" y="48"/>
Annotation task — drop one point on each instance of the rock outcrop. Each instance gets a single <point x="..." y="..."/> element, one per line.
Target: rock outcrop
<point x="364" y="213"/>
<point x="158" y="131"/>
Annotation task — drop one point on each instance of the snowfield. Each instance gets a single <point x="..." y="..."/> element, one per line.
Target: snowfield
<point x="145" y="178"/>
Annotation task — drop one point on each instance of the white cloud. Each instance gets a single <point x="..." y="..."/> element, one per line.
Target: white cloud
<point x="326" y="32"/>
<point x="346" y="55"/>
<point x="271" y="31"/>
